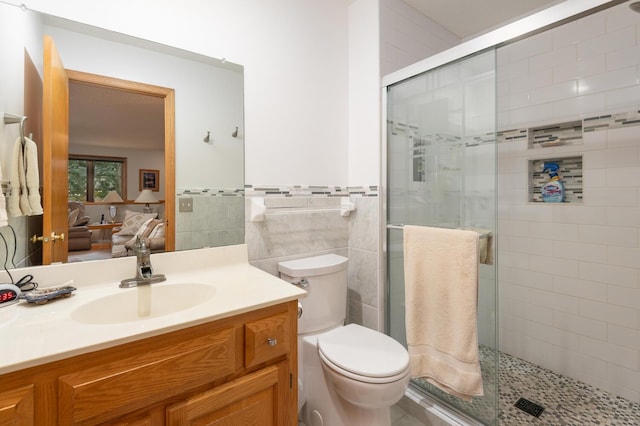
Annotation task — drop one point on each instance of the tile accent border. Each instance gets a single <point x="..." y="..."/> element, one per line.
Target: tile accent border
<point x="567" y="133"/>
<point x="213" y="192"/>
<point x="612" y="121"/>
<point x="571" y="132"/>
<point x="421" y="141"/>
<point x="561" y="133"/>
<point x="309" y="191"/>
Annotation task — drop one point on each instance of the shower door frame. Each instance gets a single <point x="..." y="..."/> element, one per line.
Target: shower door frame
<point x="546" y="19"/>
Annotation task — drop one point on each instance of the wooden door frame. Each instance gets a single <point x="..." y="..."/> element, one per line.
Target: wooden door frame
<point x="168" y="95"/>
<point x="55" y="146"/>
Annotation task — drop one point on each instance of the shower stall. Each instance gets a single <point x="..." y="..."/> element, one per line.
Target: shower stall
<point x="467" y="134"/>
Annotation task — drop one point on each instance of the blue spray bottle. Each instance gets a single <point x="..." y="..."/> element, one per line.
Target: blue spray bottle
<point x="552" y="191"/>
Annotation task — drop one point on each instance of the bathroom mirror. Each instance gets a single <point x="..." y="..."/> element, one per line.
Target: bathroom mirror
<point x="208" y="152"/>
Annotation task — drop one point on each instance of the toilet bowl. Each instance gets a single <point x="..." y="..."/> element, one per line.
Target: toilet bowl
<point x="351" y="375"/>
<point x="366" y="368"/>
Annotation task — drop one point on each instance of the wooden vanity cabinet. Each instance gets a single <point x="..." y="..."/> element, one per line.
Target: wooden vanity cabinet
<point x="240" y="370"/>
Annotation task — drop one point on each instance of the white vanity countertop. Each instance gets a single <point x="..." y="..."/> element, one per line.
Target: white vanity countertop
<point x="38" y="334"/>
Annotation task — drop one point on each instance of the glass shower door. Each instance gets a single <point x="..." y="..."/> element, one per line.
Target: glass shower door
<point x="441" y="172"/>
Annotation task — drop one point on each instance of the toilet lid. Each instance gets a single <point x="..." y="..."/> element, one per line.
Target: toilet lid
<point x="363" y="351"/>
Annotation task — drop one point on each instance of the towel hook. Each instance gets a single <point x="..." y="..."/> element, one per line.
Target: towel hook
<point x="14" y="119"/>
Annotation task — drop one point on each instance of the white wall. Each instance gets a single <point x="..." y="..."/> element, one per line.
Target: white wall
<point x="207" y="97"/>
<point x="295" y="58"/>
<point x="298" y="102"/>
<point x="364" y="93"/>
<point x="21" y="29"/>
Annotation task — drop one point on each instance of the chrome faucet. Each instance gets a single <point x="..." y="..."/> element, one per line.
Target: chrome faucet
<point x="144" y="270"/>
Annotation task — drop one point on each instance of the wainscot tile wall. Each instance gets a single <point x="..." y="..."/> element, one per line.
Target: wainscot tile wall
<point x="303" y="221"/>
<point x="216" y="218"/>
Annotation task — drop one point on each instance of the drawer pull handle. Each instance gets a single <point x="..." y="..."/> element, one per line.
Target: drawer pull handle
<point x="272" y="341"/>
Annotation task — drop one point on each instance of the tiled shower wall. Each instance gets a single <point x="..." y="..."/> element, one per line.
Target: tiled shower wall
<point x="303" y="222"/>
<point x="569" y="274"/>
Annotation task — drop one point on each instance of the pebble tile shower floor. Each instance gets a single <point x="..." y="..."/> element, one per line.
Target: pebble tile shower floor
<point x="567" y="402"/>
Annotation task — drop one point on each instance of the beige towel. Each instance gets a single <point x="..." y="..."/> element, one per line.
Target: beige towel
<point x="441" y="293"/>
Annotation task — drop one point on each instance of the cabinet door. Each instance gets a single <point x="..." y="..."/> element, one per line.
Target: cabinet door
<point x="250" y="400"/>
<point x="103" y="393"/>
<point x="16" y="406"/>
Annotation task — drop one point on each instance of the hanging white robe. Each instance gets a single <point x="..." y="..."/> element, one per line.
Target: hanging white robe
<point x="4" y="220"/>
<point x="25" y="180"/>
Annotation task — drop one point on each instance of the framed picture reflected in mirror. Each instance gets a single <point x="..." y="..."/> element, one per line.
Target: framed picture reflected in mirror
<point x="149" y="179"/>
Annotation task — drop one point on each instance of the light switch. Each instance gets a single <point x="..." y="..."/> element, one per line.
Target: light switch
<point x="185" y="204"/>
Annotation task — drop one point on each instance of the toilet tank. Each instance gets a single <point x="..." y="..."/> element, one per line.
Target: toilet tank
<point x="325" y="305"/>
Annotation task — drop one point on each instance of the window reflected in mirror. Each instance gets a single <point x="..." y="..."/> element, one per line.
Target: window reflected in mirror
<point x="91" y="178"/>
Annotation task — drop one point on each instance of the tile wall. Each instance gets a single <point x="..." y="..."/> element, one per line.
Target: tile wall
<point x="569" y="274"/>
<point x="305" y="221"/>
<point x="216" y="219"/>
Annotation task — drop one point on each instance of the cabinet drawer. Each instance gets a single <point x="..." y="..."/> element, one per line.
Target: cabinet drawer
<point x="16" y="406"/>
<point x="267" y="338"/>
<point x="112" y="390"/>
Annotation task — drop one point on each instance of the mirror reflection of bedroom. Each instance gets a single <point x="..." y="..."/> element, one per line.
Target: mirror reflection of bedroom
<point x="116" y="142"/>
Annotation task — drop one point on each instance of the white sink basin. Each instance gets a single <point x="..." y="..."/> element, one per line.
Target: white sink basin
<point x="147" y="301"/>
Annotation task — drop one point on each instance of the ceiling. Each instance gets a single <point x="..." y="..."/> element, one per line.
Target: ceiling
<point x="466" y="18"/>
<point x="102" y="116"/>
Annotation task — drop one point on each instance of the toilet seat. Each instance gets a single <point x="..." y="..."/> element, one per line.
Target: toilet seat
<point x="363" y="354"/>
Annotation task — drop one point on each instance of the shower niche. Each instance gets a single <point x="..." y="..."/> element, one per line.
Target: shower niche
<point x="553" y="135"/>
<point x="545" y="138"/>
<point x="570" y="171"/>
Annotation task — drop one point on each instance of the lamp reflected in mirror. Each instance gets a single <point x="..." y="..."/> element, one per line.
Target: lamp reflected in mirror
<point x="112" y="197"/>
<point x="146" y="197"/>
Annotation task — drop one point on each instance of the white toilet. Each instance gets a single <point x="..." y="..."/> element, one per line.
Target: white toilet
<point x="349" y="375"/>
